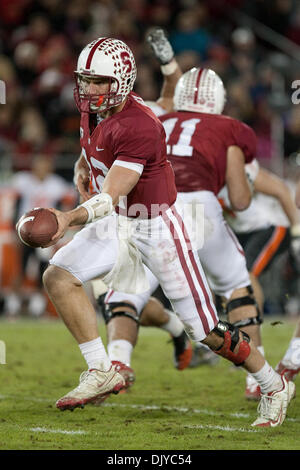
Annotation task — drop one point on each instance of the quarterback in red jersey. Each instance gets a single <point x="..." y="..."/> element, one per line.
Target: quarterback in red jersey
<point x="105" y="77"/>
<point x="124" y="152"/>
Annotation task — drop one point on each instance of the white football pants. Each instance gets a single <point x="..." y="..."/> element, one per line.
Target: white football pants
<point x="221" y="255"/>
<point x="167" y="251"/>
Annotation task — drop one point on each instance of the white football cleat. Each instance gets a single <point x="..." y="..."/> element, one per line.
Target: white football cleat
<point x="93" y="384"/>
<point x="127" y="374"/>
<point x="273" y="406"/>
<point x="288" y="369"/>
<point x="252" y="391"/>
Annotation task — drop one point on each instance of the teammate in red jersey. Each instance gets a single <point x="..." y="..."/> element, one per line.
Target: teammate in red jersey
<point x="105" y="77"/>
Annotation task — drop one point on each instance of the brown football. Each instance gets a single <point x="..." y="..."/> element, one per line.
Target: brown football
<point x="37" y="227"/>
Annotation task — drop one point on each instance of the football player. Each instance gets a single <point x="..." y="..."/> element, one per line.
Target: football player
<point x="125" y="154"/>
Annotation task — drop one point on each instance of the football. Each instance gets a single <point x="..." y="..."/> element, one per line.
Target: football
<point x="37" y="227"/>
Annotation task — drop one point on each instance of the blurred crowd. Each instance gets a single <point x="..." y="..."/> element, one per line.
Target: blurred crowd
<point x="40" y="41"/>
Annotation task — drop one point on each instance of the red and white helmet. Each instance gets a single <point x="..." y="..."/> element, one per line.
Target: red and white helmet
<point x="200" y="90"/>
<point x="109" y="58"/>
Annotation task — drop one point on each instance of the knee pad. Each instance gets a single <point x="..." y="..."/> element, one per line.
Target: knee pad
<point x="232" y="338"/>
<point x="243" y="301"/>
<point x="109" y="313"/>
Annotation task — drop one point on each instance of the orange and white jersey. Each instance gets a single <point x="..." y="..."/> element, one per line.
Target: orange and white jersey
<point x="264" y="211"/>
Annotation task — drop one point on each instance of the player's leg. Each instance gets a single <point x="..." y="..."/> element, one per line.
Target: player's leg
<point x="156" y="315"/>
<point x="258" y="292"/>
<point x="121" y="312"/>
<point x="242" y="311"/>
<point x="290" y="363"/>
<point x="276" y="391"/>
<point x="224" y="262"/>
<point x="184" y="283"/>
<point x="261" y="247"/>
<point x="223" y="259"/>
<point x="87" y="256"/>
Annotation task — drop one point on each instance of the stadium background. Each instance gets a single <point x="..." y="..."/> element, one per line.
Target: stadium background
<point x="253" y="45"/>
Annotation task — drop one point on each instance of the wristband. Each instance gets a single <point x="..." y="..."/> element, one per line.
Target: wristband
<point x="169" y="68"/>
<point x="98" y="206"/>
<point x="295" y="230"/>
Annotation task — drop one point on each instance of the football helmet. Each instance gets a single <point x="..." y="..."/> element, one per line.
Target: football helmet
<point x="104" y="58"/>
<point x="200" y="90"/>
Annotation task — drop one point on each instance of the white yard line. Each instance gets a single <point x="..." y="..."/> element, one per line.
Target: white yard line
<point x="177" y="409"/>
<point x="56" y="431"/>
<point x="220" y="428"/>
<point x="189" y="426"/>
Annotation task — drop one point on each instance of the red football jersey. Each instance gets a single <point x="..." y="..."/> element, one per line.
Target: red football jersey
<point x="134" y="136"/>
<point x="197" y="146"/>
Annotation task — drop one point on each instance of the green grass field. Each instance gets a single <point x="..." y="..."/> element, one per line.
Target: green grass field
<point x="195" y="409"/>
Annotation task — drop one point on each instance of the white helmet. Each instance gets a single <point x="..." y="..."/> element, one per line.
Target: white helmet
<point x="109" y="58"/>
<point x="200" y="90"/>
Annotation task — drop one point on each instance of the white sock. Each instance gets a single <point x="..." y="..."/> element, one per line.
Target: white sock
<point x="261" y="350"/>
<point x="120" y="350"/>
<point x="174" y="325"/>
<point x="250" y="379"/>
<point x="95" y="355"/>
<point x="267" y="379"/>
<point x="292" y="355"/>
<point x="200" y="345"/>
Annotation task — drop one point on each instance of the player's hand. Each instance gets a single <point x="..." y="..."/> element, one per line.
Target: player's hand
<point x="63" y="220"/>
<point x="160" y="45"/>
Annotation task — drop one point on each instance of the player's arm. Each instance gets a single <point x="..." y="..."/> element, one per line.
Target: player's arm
<point x="118" y="182"/>
<point x="168" y="87"/>
<point x="239" y="191"/>
<point x="297" y="196"/>
<point x="82" y="177"/>
<point x="270" y="184"/>
<point x="169" y="67"/>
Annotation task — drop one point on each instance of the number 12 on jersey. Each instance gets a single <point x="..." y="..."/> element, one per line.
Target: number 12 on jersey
<point x="182" y="148"/>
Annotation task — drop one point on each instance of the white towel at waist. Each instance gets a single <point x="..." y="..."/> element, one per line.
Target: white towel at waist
<point x="128" y="274"/>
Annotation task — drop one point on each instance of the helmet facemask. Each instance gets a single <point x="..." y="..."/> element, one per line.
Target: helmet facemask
<point x="95" y="103"/>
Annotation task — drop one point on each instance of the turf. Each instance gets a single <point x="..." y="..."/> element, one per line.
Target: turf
<point x="196" y="409"/>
